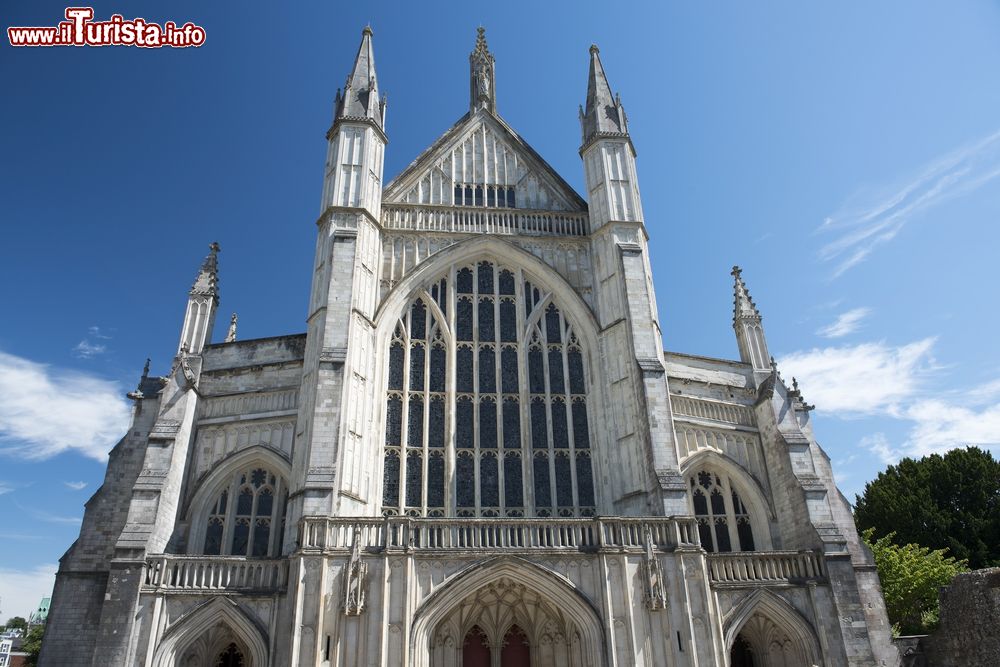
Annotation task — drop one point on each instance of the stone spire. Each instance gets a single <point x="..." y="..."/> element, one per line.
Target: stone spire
<point x="749" y="330"/>
<point x="207" y="282"/>
<point x="360" y="98"/>
<point x="482" y="76"/>
<point x="231" y="334"/>
<point x="604" y="114"/>
<point x="203" y="300"/>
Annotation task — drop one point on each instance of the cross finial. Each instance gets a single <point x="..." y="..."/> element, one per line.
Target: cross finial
<point x="736" y="272"/>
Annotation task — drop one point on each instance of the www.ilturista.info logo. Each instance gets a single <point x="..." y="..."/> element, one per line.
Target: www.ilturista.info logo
<point x="79" y="29"/>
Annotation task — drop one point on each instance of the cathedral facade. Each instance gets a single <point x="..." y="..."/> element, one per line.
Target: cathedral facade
<point x="478" y="454"/>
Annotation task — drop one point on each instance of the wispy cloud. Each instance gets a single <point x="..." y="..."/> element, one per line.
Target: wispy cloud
<point x="45" y="411"/>
<point x="846" y="323"/>
<point x="5" y="487"/>
<point x="98" y="332"/>
<point x="87" y="350"/>
<point x="863" y="228"/>
<point x="865" y="379"/>
<point x="47" y="517"/>
<point x="76" y="486"/>
<point x="22" y="590"/>
<point x="879" y="445"/>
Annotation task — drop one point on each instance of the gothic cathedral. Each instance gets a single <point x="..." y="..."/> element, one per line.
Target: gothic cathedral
<point x="478" y="454"/>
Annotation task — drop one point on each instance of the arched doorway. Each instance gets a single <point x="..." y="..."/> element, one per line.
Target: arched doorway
<point x="767" y="631"/>
<point x="741" y="655"/>
<point x="231" y="656"/>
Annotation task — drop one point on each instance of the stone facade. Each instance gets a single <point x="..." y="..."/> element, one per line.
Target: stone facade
<point x="478" y="453"/>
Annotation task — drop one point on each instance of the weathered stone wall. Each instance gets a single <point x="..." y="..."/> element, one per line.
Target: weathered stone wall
<point x="969" y="634"/>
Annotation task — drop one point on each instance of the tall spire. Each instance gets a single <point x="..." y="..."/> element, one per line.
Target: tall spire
<point x="207" y="282"/>
<point x="749" y="330"/>
<point x="482" y="76"/>
<point x="604" y="114"/>
<point x="360" y="99"/>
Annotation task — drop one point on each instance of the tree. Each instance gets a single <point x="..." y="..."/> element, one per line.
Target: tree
<point x="911" y="576"/>
<point x="16" y="623"/>
<point x="940" y="502"/>
<point x="33" y="644"/>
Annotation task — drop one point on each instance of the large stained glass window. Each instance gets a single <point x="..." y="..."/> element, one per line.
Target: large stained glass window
<point x="247" y="518"/>
<point x="486" y="403"/>
<point x="723" y="520"/>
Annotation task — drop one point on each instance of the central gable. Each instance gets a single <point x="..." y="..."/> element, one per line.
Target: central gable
<point x="481" y="161"/>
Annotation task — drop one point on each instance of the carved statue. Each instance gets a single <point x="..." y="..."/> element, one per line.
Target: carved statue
<point x="355" y="579"/>
<point x="655" y="593"/>
<point x="483" y="79"/>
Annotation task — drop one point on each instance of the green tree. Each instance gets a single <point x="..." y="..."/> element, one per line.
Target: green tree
<point x="33" y="644"/>
<point x="16" y="623"/>
<point x="911" y="576"/>
<point x="941" y="502"/>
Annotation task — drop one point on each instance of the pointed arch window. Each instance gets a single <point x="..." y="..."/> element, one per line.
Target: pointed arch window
<point x="724" y="524"/>
<point x="492" y="420"/>
<point x="248" y="515"/>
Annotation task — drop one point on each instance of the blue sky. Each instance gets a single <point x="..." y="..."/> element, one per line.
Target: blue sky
<point x="845" y="154"/>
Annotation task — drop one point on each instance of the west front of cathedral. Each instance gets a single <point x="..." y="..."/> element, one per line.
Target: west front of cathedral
<point x="478" y="454"/>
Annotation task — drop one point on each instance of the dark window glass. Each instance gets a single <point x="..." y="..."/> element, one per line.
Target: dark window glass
<point x="746" y="534"/>
<point x="511" y="425"/>
<point x="265" y="502"/>
<point x="458" y="195"/>
<point x="222" y="501"/>
<point x="417" y="367"/>
<point x="584" y="479"/>
<point x="487" y="425"/>
<point x="536" y="372"/>
<point x="465" y="479"/>
<point x="241" y="537"/>
<point x="543" y="497"/>
<point x="244" y="502"/>
<point x="487" y="330"/>
<point x="396" y="365"/>
<point x="560" y="434"/>
<point x="261" y="536"/>
<point x="576" y="383"/>
<point x="722" y="536"/>
<point x="512" y="485"/>
<point x="508" y="322"/>
<point x="700" y="503"/>
<point x="479" y="195"/>
<point x="463" y="281"/>
<point x="491" y="197"/>
<point x="415" y="423"/>
<point x="464" y="370"/>
<point x="437" y="368"/>
<point x="705" y="534"/>
<point x="581" y="435"/>
<point x="556" y="384"/>
<point x="394" y="420"/>
<point x="485" y="278"/>
<point x="510" y="197"/>
<point x="487" y="371"/>
<point x="508" y="370"/>
<point x="435" y="436"/>
<point x="564" y="482"/>
<point x="213" y="537"/>
<point x="468" y="195"/>
<point x="463" y="424"/>
<point x="489" y="481"/>
<point x="390" y="475"/>
<point x="435" y="480"/>
<point x="463" y="319"/>
<point x="414" y="478"/>
<point x="553" y="333"/>
<point x="718" y="503"/>
<point x="418" y="320"/>
<point x="539" y="435"/>
<point x="506" y="282"/>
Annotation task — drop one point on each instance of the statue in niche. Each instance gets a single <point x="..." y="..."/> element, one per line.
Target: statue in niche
<point x="483" y="79"/>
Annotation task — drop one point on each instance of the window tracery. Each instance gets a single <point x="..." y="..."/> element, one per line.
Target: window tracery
<point x="724" y="524"/>
<point x="493" y="421"/>
<point x="247" y="517"/>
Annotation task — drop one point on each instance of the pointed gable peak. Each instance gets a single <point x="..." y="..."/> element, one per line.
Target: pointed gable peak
<point x="482" y="76"/>
<point x="743" y="305"/>
<point x="360" y="99"/>
<point x="207" y="282"/>
<point x="604" y="114"/>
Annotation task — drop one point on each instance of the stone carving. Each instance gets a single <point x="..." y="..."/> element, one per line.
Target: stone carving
<point x="654" y="588"/>
<point x="355" y="579"/>
<point x="231" y="334"/>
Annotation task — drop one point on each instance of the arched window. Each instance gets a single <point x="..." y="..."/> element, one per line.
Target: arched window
<point x="723" y="520"/>
<point x="486" y="411"/>
<point x="247" y="518"/>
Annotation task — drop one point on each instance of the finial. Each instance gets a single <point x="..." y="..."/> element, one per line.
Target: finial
<point x="231" y="334"/>
<point x="145" y="369"/>
<point x="368" y="30"/>
<point x="594" y="50"/>
<point x="214" y="247"/>
<point x="736" y="272"/>
<point x="795" y="384"/>
<point x="774" y="365"/>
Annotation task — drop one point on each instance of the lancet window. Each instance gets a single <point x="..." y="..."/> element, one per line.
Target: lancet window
<point x="247" y="517"/>
<point x="724" y="524"/>
<point x="486" y="404"/>
<point x="491" y="196"/>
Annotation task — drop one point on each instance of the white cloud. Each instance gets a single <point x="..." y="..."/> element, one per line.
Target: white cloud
<point x="87" y="350"/>
<point x="878" y="221"/>
<point x="845" y="323"/>
<point x="76" y="486"/>
<point x="5" y="487"/>
<point x="940" y="426"/>
<point x="22" y="590"/>
<point x="879" y="445"/>
<point x="98" y="332"/>
<point x="45" y="411"/>
<point x="865" y="379"/>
